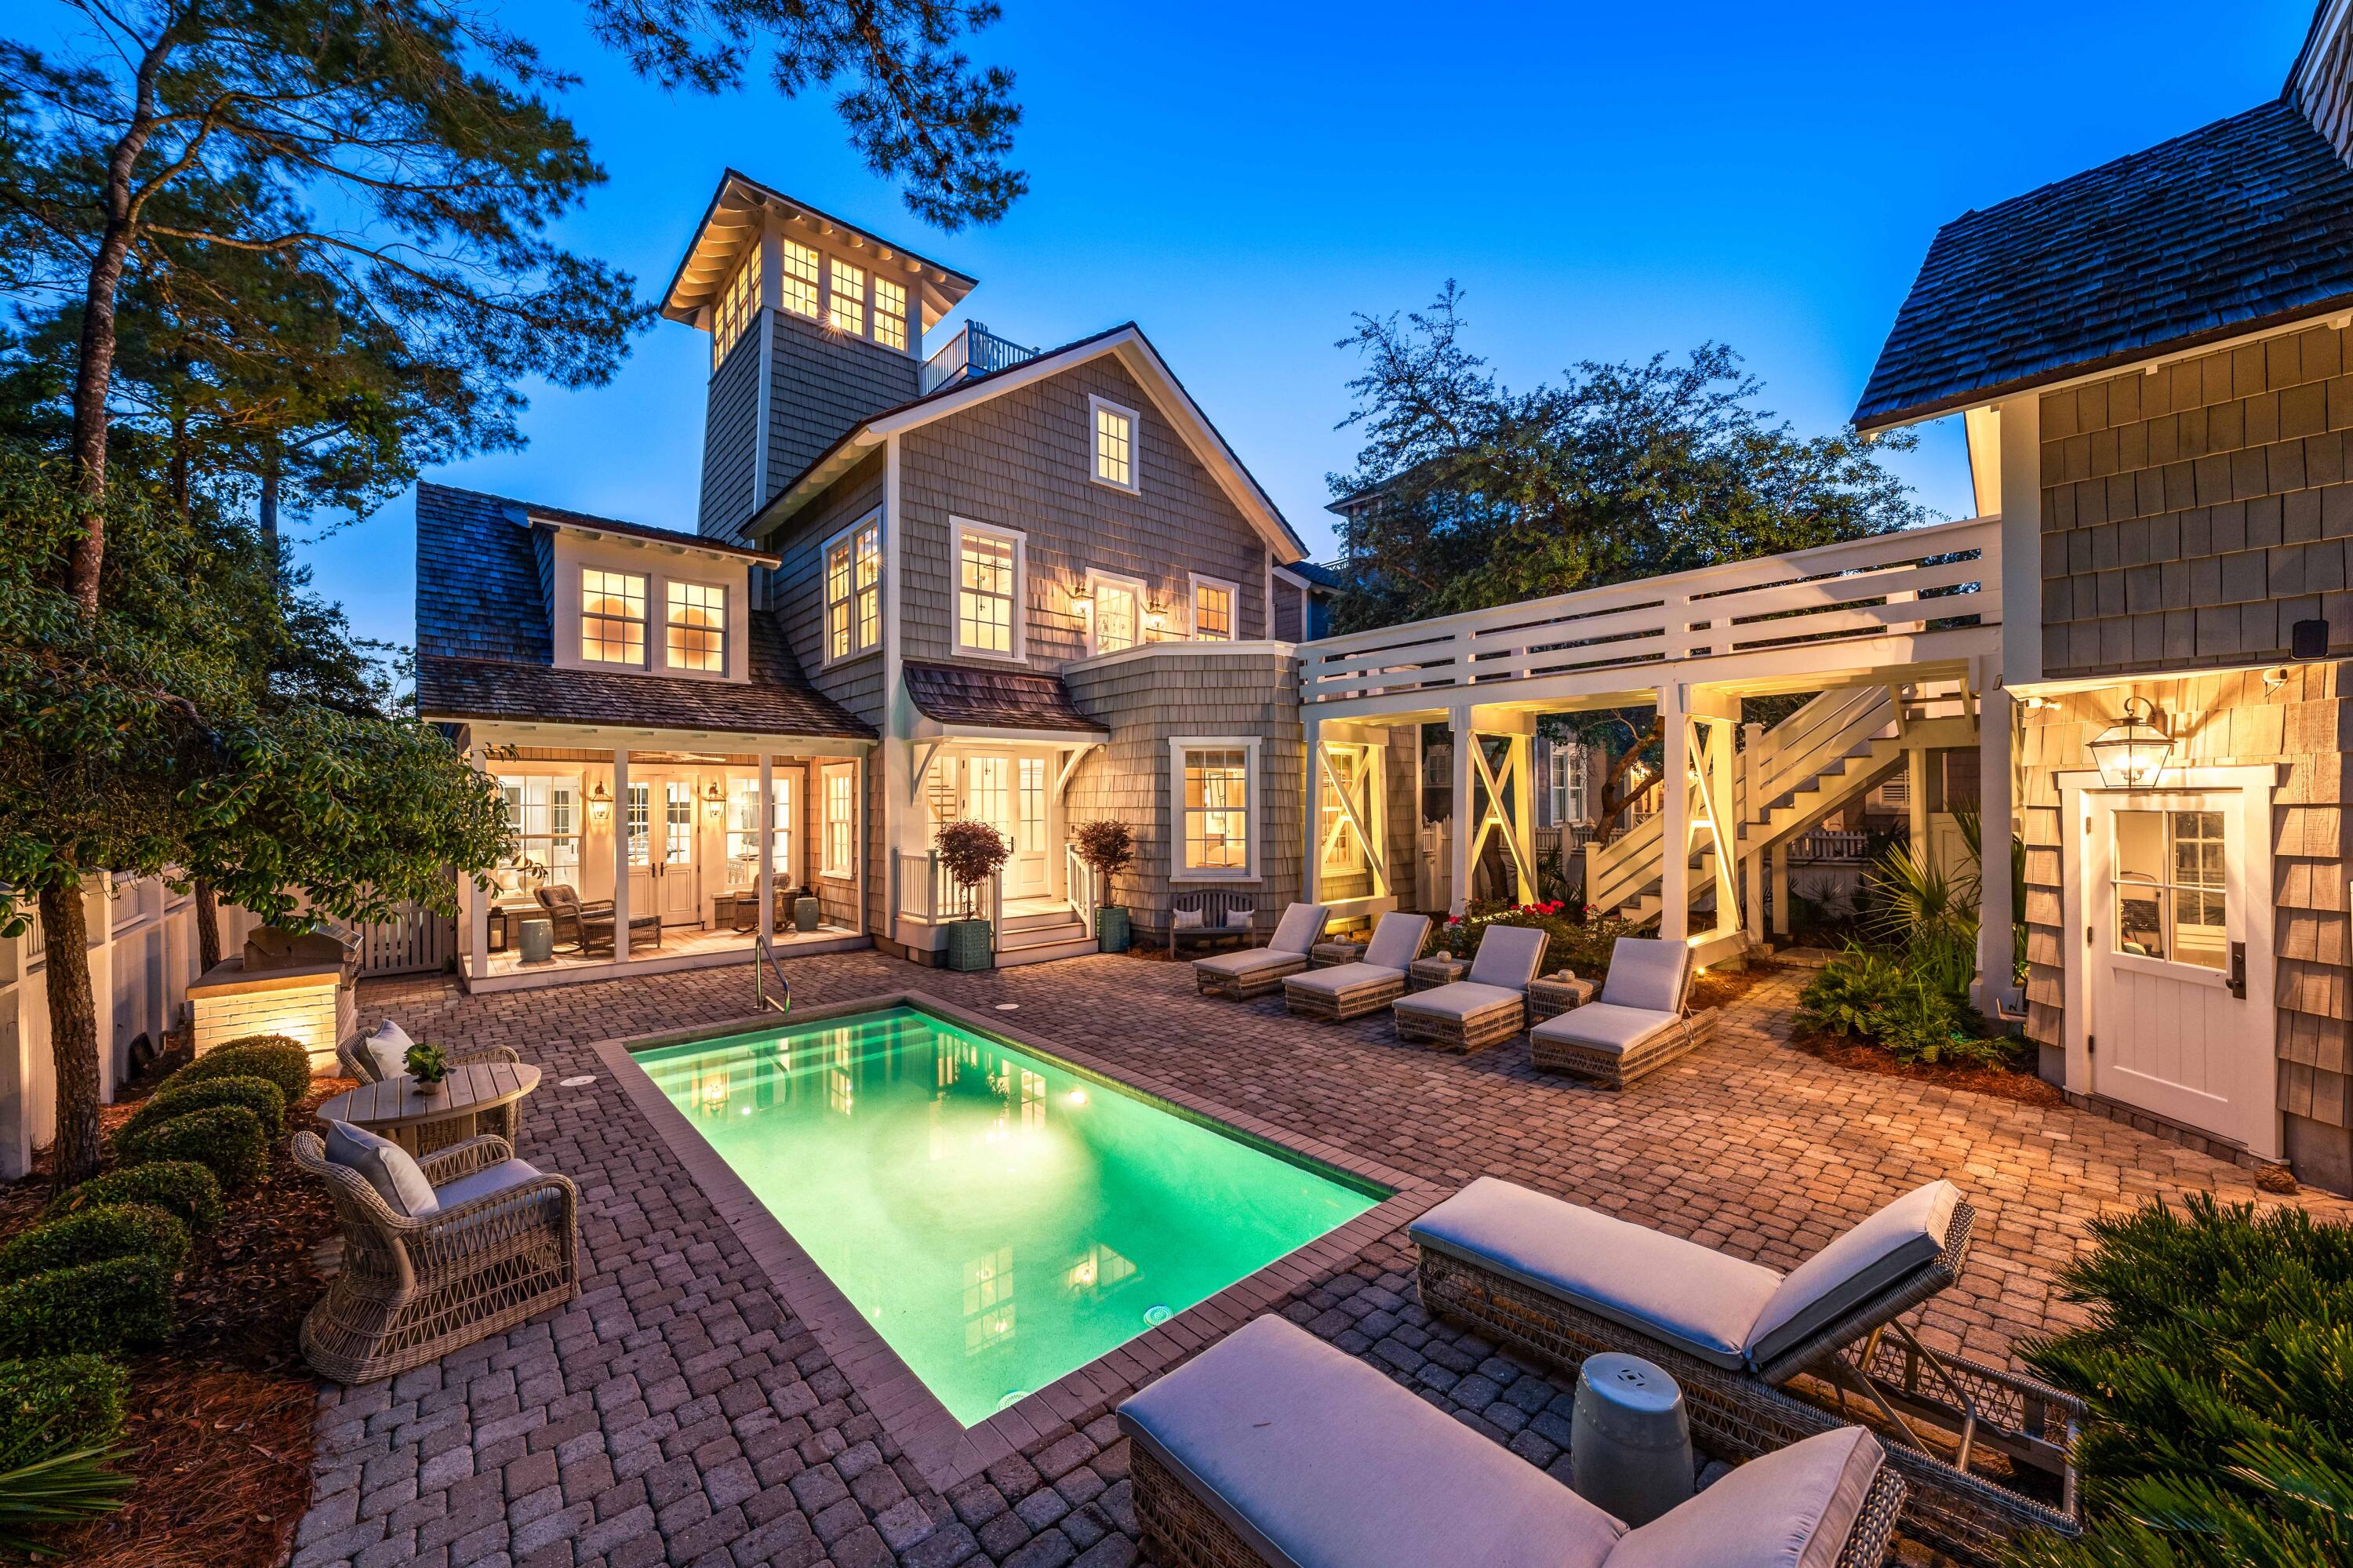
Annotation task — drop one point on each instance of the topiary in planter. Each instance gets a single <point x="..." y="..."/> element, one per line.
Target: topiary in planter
<point x="227" y="1141"/>
<point x="282" y="1061"/>
<point x="1108" y="848"/>
<point x="93" y="1235"/>
<point x="258" y="1095"/>
<point x="97" y="1308"/>
<point x="973" y="851"/>
<point x="179" y="1187"/>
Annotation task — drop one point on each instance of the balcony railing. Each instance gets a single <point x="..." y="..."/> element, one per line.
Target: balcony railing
<point x="975" y="351"/>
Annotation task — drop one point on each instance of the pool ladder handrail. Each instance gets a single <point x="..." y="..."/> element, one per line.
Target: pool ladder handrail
<point x="762" y="949"/>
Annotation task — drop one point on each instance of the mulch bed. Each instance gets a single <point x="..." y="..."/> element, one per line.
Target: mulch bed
<point x="1845" y="1051"/>
<point x="219" y="1417"/>
<point x="1717" y="987"/>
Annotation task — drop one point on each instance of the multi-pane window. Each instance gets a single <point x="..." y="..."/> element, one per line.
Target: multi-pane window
<point x="988" y="794"/>
<point x="841" y="848"/>
<point x="1343" y="850"/>
<point x="1029" y="826"/>
<point x="853" y="592"/>
<point x="743" y="831"/>
<point x="1563" y="786"/>
<point x="849" y="294"/>
<point x="890" y="313"/>
<point x="638" y="821"/>
<point x="696" y="620"/>
<point x="987" y="580"/>
<point x="797" y="271"/>
<point x="1118" y="615"/>
<point x="612" y="617"/>
<point x="678" y="822"/>
<point x="1114" y="443"/>
<point x="2171" y="887"/>
<point x="544" y="815"/>
<point x="1213" y="610"/>
<point x="739" y="302"/>
<point x="1217" y="809"/>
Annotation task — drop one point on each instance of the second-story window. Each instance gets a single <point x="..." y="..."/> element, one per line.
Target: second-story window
<point x="797" y="272"/>
<point x="1115" y="444"/>
<point x="849" y="299"/>
<point x="612" y="617"/>
<point x="988" y="591"/>
<point x="1213" y="610"/>
<point x="738" y="303"/>
<point x="853" y="591"/>
<point x="890" y="313"/>
<point x="695" y="617"/>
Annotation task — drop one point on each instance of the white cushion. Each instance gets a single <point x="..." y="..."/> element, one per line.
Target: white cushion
<point x="1319" y="1461"/>
<point x="1684" y="1294"/>
<point x="1646" y="972"/>
<point x="1793" y="1508"/>
<point x="1462" y="1000"/>
<point x="1604" y="1026"/>
<point x="387" y="1046"/>
<point x="1341" y="977"/>
<point x="1508" y="955"/>
<point x="1248" y="961"/>
<point x="1396" y="940"/>
<point x="481" y="1183"/>
<point x="1184" y="919"/>
<point x="1908" y="1233"/>
<point x="1301" y="927"/>
<point x="387" y="1167"/>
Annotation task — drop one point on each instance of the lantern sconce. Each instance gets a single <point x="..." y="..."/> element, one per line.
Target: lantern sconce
<point x="600" y="800"/>
<point x="2132" y="753"/>
<point x="1083" y="592"/>
<point x="713" y="796"/>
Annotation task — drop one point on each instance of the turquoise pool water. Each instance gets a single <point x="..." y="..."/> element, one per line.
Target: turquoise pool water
<point x="1000" y="1219"/>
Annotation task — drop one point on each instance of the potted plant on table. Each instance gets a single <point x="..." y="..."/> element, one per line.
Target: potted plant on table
<point x="973" y="851"/>
<point x="1108" y="848"/>
<point x="428" y="1065"/>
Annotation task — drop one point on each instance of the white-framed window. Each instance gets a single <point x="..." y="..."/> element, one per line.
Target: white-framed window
<point x="797" y="272"/>
<point x="1030" y="808"/>
<point x="1114" y="439"/>
<point x="853" y="590"/>
<point x="544" y="812"/>
<point x="744" y="830"/>
<point x="2172" y="887"/>
<point x="738" y="306"/>
<point x="638" y="821"/>
<point x="990" y="572"/>
<point x="847" y="296"/>
<point x="612" y="617"/>
<point x="694" y="623"/>
<point x="890" y="313"/>
<point x="1115" y="619"/>
<point x="1343" y="851"/>
<point x="839" y="850"/>
<point x="1213" y="786"/>
<point x="1565" y="785"/>
<point x="1215" y="604"/>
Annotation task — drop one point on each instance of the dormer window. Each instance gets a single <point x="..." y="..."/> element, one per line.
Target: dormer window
<point x="1115" y="444"/>
<point x="849" y="299"/>
<point x="853" y="591"/>
<point x="797" y="272"/>
<point x="890" y="313"/>
<point x="612" y="617"/>
<point x="738" y="303"/>
<point x="695" y="617"/>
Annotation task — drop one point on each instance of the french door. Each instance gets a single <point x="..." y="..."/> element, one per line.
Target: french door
<point x="1008" y="794"/>
<point x="663" y="864"/>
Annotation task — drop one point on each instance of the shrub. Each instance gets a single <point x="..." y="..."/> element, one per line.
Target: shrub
<point x="178" y="1187"/>
<point x="1847" y="991"/>
<point x="58" y="1417"/>
<point x="227" y="1141"/>
<point x="1901" y="1009"/>
<point x="1583" y="945"/>
<point x="1107" y="847"/>
<point x="93" y="1235"/>
<point x="282" y="1061"/>
<point x="97" y="1308"/>
<point x="259" y="1095"/>
<point x="973" y="851"/>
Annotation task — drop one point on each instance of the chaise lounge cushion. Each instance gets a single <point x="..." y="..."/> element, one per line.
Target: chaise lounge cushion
<point x="1331" y="982"/>
<point x="1508" y="955"/>
<point x="1319" y="1461"/>
<point x="1396" y="940"/>
<point x="1301" y="927"/>
<point x="1647" y="972"/>
<point x="1689" y="1295"/>
<point x="1462" y="1000"/>
<point x="1606" y="1026"/>
<point x="1247" y="962"/>
<point x="1908" y="1234"/>
<point x="1793" y="1508"/>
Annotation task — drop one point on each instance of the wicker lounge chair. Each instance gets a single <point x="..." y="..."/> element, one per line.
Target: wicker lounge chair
<point x="588" y="928"/>
<point x="499" y="1244"/>
<point x="1271" y="1447"/>
<point x="1988" y="1455"/>
<point x="1254" y="971"/>
<point x="1638" y="1024"/>
<point x="1351" y="991"/>
<point x="360" y="1062"/>
<point x="1485" y="1009"/>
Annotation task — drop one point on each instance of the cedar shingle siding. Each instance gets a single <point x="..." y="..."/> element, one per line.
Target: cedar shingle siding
<point x="821" y="384"/>
<point x="730" y="426"/>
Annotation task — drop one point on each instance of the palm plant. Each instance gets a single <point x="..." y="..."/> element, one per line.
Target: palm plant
<point x="1930" y="913"/>
<point x="59" y="1489"/>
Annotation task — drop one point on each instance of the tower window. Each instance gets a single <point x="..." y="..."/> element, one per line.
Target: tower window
<point x="849" y="299"/>
<point x="890" y="313"/>
<point x="799" y="274"/>
<point x="738" y="303"/>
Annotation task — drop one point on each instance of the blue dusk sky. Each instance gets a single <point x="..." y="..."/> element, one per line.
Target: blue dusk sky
<point x="1605" y="181"/>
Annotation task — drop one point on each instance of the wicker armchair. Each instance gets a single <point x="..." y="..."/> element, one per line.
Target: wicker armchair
<point x="359" y="1062"/>
<point x="412" y="1290"/>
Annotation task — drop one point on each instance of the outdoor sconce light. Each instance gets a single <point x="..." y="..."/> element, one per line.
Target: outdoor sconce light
<point x="713" y="796"/>
<point x="600" y="800"/>
<point x="1082" y="594"/>
<point x="2132" y="753"/>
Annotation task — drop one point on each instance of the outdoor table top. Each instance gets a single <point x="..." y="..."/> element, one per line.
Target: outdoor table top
<point x="397" y="1102"/>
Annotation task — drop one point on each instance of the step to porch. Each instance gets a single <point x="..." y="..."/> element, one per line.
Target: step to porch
<point x="1040" y="939"/>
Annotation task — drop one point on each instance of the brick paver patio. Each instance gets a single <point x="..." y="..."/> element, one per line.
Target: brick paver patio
<point x="676" y="1412"/>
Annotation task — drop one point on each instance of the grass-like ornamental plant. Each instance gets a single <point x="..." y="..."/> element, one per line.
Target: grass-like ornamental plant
<point x="93" y="1235"/>
<point x="59" y="1418"/>
<point x="259" y="1095"/>
<point x="283" y="1061"/>
<point x="227" y="1141"/>
<point x="178" y="1187"/>
<point x="94" y="1307"/>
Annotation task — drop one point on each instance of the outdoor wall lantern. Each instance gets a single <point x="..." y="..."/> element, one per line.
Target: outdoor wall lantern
<point x="2132" y="753"/>
<point x="600" y="800"/>
<point x="713" y="796"/>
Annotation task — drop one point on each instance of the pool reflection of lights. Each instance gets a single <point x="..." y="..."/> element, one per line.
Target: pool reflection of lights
<point x="1078" y="1097"/>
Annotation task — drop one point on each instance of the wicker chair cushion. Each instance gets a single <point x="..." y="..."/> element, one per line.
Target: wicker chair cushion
<point x="1460" y="999"/>
<point x="1341" y="977"/>
<point x="1908" y="1233"/>
<point x="387" y="1046"/>
<point x="1318" y="1461"/>
<point x="1396" y="940"/>
<point x="1247" y="962"/>
<point x="1790" y="1508"/>
<point x="1689" y="1295"/>
<point x="1508" y="955"/>
<point x="481" y="1183"/>
<point x="388" y="1168"/>
<point x="1647" y="973"/>
<point x="1606" y="1026"/>
<point x="1299" y="929"/>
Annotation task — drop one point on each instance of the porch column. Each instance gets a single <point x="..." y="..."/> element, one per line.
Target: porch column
<point x="1313" y="879"/>
<point x="1523" y="814"/>
<point x="863" y="850"/>
<point x="1459" y="848"/>
<point x="1995" y="913"/>
<point x="765" y="819"/>
<point x="621" y="854"/>
<point x="1916" y="803"/>
<point x="1674" y="818"/>
<point x="475" y="904"/>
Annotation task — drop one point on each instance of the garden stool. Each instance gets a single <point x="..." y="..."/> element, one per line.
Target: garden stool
<point x="1629" y="1449"/>
<point x="537" y="940"/>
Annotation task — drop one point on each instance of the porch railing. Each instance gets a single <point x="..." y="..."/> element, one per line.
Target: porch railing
<point x="929" y="896"/>
<point x="975" y="351"/>
<point x="1079" y="886"/>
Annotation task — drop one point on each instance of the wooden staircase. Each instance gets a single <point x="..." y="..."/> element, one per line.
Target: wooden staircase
<point x="1041" y="936"/>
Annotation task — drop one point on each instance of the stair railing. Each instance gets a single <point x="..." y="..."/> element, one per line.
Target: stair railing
<point x="763" y="962"/>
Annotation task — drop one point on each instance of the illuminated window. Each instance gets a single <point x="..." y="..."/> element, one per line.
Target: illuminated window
<point x="798" y="273"/>
<point x="544" y="815"/>
<point x="988" y="589"/>
<point x="849" y="299"/>
<point x="612" y="617"/>
<point x="1211" y="780"/>
<point x="1213" y="609"/>
<point x="743" y="831"/>
<point x="696" y="620"/>
<point x="840" y="822"/>
<point x="1343" y="849"/>
<point x="1563" y="786"/>
<point x="1029" y="826"/>
<point x="738" y="303"/>
<point x="639" y="822"/>
<point x="2172" y="887"/>
<point x="890" y="313"/>
<point x="1114" y="443"/>
<point x="853" y="591"/>
<point x="1117" y="618"/>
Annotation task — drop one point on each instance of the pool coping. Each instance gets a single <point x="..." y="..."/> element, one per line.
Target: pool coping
<point x="943" y="1449"/>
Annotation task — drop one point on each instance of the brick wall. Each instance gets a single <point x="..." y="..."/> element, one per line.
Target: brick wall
<point x="319" y="1013"/>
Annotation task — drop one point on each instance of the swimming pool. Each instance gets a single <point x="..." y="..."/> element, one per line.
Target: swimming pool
<point x="999" y="1218"/>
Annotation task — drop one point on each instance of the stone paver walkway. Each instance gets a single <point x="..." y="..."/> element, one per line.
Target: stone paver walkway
<point x="676" y="1412"/>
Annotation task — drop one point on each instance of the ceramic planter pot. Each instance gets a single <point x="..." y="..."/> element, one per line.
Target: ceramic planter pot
<point x="1112" y="930"/>
<point x="804" y="914"/>
<point x="968" y="945"/>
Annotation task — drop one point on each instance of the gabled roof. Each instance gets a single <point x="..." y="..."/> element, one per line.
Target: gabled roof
<point x="974" y="698"/>
<point x="1313" y="573"/>
<point x="1125" y="342"/>
<point x="2244" y="224"/>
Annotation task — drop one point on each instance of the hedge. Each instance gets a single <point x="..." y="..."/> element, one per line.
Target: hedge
<point x="227" y="1141"/>
<point x="181" y="1188"/>
<point x="54" y="1404"/>
<point x="97" y="1308"/>
<point x="283" y="1061"/>
<point x="259" y="1095"/>
<point x="93" y="1235"/>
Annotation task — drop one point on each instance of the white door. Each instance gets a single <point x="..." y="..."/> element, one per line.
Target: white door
<point x="644" y="870"/>
<point x="681" y="893"/>
<point x="1008" y="794"/>
<point x="2179" y="955"/>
